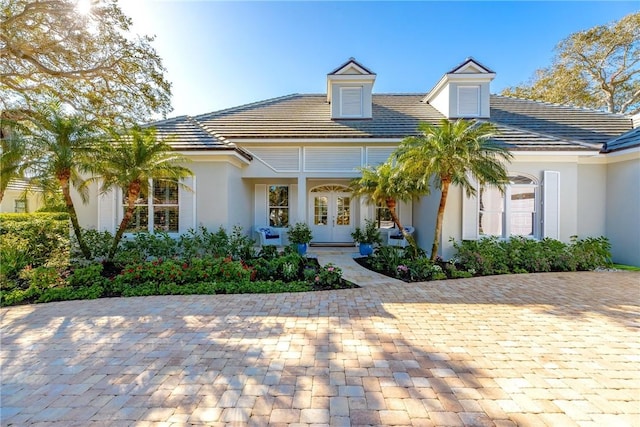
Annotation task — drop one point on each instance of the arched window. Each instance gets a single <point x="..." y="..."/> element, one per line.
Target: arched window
<point x="512" y="213"/>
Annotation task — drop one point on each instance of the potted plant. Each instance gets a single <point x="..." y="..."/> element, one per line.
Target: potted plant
<point x="367" y="237"/>
<point x="300" y="235"/>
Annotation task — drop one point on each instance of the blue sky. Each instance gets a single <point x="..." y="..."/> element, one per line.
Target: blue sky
<point x="223" y="54"/>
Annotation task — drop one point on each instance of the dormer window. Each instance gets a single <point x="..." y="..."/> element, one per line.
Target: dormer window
<point x="349" y="91"/>
<point x="463" y="92"/>
<point x="468" y="101"/>
<point x="351" y="102"/>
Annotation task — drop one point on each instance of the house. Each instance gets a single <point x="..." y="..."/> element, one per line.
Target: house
<point x="20" y="197"/>
<point x="289" y="159"/>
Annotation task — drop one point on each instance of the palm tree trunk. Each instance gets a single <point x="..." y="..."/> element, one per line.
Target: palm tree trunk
<point x="391" y="205"/>
<point x="1" y="195"/>
<point x="63" y="178"/>
<point x="438" y="233"/>
<point x="132" y="195"/>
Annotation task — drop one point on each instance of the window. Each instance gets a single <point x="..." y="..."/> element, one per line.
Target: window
<point x="468" y="101"/>
<point x="278" y="205"/>
<point x="383" y="217"/>
<point x="510" y="214"/>
<point x="351" y="102"/>
<point x="20" y="206"/>
<point x="158" y="213"/>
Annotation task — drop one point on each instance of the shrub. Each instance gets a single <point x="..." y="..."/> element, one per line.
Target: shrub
<point x="591" y="252"/>
<point x="32" y="240"/>
<point x="99" y="242"/>
<point x="422" y="269"/>
<point x="486" y="256"/>
<point x="143" y="246"/>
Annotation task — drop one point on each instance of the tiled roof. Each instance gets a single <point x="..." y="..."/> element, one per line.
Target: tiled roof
<point x="524" y="124"/>
<point x="560" y="121"/>
<point x="185" y="133"/>
<point x="309" y="116"/>
<point x="630" y="139"/>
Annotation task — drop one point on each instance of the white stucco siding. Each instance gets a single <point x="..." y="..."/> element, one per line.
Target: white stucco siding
<point x="592" y="203"/>
<point x="623" y="202"/>
<point x="8" y="204"/>
<point x="240" y="201"/>
<point x="87" y="212"/>
<point x="220" y="193"/>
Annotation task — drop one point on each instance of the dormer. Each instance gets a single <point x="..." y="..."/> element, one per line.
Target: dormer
<point x="349" y="90"/>
<point x="463" y="92"/>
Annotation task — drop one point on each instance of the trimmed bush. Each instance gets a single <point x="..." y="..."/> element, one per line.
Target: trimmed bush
<point x="34" y="240"/>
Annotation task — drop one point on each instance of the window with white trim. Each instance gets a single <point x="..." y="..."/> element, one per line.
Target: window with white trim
<point x="278" y="205"/>
<point x="468" y="101"/>
<point x="351" y="102"/>
<point x="158" y="213"/>
<point x="512" y="213"/>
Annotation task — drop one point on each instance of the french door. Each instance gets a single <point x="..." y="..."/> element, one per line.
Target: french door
<point x="331" y="214"/>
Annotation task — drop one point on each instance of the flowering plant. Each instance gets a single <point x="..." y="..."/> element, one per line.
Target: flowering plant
<point x="328" y="276"/>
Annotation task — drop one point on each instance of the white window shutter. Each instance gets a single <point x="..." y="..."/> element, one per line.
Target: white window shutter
<point x="351" y="102"/>
<point x="470" y="213"/>
<point x="107" y="214"/>
<point x="468" y="101"/>
<point x="260" y="206"/>
<point x="551" y="205"/>
<point x="187" y="205"/>
<point x="293" y="203"/>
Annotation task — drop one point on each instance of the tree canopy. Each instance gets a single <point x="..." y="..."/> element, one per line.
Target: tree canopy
<point x="450" y="153"/>
<point x="595" y="68"/>
<point x="89" y="61"/>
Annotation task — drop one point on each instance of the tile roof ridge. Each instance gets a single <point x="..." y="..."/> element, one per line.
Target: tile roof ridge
<point x="555" y="104"/>
<point x="163" y="121"/>
<point x="594" y="146"/>
<point x="244" y="106"/>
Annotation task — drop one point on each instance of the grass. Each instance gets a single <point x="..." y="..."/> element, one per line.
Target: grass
<point x="626" y="267"/>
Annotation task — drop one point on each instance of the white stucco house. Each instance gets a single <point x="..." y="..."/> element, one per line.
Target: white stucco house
<point x="290" y="159"/>
<point x="20" y="197"/>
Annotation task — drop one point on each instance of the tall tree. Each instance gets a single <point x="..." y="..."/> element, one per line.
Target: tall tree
<point x="596" y="68"/>
<point x="130" y="163"/>
<point x="447" y="154"/>
<point x="385" y="185"/>
<point x="90" y="61"/>
<point x="64" y="142"/>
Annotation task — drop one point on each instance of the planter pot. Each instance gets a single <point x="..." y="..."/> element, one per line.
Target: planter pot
<point x="366" y="249"/>
<point x="302" y="248"/>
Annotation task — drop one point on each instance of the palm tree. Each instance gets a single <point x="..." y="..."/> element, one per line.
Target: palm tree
<point x="449" y="154"/>
<point x="130" y="163"/>
<point x="64" y="142"/>
<point x="385" y="185"/>
<point x="12" y="160"/>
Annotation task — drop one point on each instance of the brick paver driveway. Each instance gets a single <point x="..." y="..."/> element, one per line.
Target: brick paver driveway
<point x="532" y="350"/>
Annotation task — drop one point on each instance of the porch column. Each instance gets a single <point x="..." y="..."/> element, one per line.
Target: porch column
<point x="302" y="199"/>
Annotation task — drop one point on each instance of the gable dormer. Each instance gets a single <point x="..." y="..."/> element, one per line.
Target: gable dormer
<point x="349" y="90"/>
<point x="463" y="92"/>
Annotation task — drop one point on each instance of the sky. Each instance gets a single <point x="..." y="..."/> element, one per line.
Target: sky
<point x="224" y="54"/>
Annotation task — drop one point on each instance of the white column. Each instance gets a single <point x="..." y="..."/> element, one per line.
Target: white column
<point x="302" y="199"/>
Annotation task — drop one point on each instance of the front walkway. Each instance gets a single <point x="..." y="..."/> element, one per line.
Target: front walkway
<point x="531" y="350"/>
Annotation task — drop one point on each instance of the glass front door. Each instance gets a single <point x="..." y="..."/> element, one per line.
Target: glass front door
<point x="331" y="214"/>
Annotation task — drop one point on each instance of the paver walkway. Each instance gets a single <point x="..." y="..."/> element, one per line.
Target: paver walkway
<point x="532" y="350"/>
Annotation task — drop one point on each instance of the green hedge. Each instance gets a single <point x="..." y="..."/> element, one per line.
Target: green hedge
<point x="33" y="240"/>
